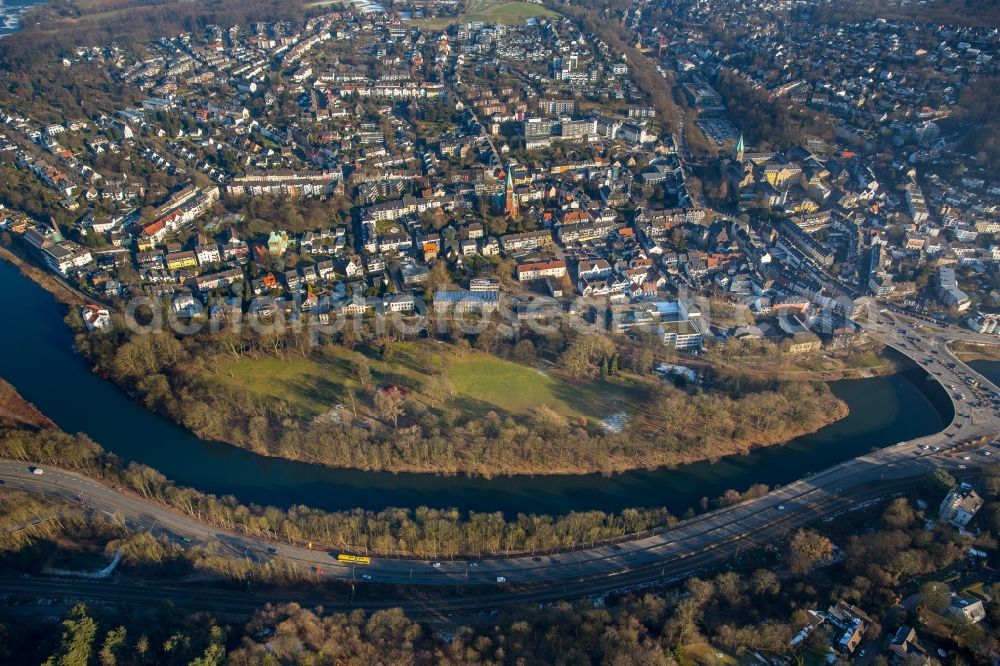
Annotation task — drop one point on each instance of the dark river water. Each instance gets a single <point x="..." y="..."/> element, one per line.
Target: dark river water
<point x="988" y="369"/>
<point x="36" y="356"/>
<point x="11" y="12"/>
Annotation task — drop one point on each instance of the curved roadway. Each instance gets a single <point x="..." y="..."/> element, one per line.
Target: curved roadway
<point x="679" y="551"/>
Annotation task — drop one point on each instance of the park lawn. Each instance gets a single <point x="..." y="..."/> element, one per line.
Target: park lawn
<point x="509" y="13"/>
<point x="705" y="654"/>
<point x="482" y="382"/>
<point x="867" y="361"/>
<point x="311" y="385"/>
<point x="433" y="24"/>
<point x="488" y="11"/>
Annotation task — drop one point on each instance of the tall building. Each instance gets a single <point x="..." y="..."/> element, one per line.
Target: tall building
<point x="739" y="149"/>
<point x="510" y="202"/>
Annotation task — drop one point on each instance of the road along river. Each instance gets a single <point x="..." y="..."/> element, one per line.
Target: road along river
<point x="36" y="356"/>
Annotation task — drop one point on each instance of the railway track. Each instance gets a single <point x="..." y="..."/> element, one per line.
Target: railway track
<point x="447" y="601"/>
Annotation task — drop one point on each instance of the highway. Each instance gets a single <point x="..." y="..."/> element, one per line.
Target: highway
<point x="688" y="547"/>
<point x="442" y="604"/>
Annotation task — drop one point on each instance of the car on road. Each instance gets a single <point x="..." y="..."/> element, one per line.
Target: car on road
<point x="501" y="579"/>
<point x="272" y="550"/>
<point x="366" y="576"/>
<point x="781" y="507"/>
<point x="36" y="470"/>
<point x="436" y="565"/>
<point x="987" y="453"/>
<point x="473" y="564"/>
<point x="2" y="482"/>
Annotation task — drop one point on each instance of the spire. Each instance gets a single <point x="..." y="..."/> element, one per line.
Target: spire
<point x="739" y="149"/>
<point x="510" y="202"/>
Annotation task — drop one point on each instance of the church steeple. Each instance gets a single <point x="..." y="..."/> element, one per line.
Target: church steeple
<point x="739" y="149"/>
<point x="510" y="201"/>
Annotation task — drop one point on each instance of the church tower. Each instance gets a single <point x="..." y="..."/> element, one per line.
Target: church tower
<point x="510" y="202"/>
<point x="739" y="149"/>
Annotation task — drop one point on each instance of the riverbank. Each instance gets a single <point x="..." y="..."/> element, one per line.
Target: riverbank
<point x="16" y="412"/>
<point x="827" y="366"/>
<point x="967" y="351"/>
<point x="62" y="292"/>
<point x="47" y="372"/>
<point x="422" y="533"/>
<point x="498" y="418"/>
<point x="559" y="432"/>
<point x="11" y="13"/>
<point x="188" y="392"/>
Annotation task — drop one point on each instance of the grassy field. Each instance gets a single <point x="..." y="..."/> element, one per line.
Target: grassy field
<point x="433" y="24"/>
<point x="483" y="382"/>
<point x="475" y="382"/>
<point x="508" y="13"/>
<point x="705" y="654"/>
<point x="971" y="352"/>
<point x="311" y="385"/>
<point x="489" y="11"/>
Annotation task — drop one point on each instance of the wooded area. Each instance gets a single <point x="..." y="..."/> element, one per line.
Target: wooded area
<point x="673" y="425"/>
<point x="756" y="607"/>
<point x="769" y="124"/>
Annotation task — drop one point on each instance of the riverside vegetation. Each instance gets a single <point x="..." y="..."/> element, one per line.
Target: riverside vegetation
<point x="718" y="617"/>
<point x="482" y="405"/>
<point x="423" y="532"/>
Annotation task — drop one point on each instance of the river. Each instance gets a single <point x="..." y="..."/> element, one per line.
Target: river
<point x="987" y="368"/>
<point x="37" y="358"/>
<point x="11" y="12"/>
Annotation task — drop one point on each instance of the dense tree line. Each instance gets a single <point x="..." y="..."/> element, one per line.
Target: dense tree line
<point x="423" y="532"/>
<point x="984" y="13"/>
<point x="975" y="120"/>
<point x="173" y="375"/>
<point x="767" y="123"/>
<point x="603" y="21"/>
<point x="745" y="610"/>
<point x="34" y="529"/>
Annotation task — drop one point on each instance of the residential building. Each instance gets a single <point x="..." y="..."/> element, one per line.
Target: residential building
<point x="541" y="269"/>
<point x="960" y="505"/>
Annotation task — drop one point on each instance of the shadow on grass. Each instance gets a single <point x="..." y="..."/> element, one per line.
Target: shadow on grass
<point x="598" y="399"/>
